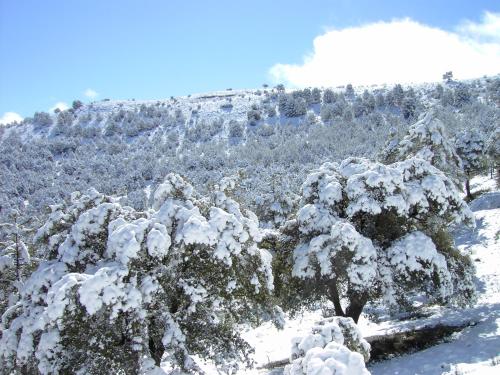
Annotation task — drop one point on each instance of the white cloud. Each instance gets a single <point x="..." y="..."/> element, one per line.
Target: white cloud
<point x="9" y="117"/>
<point x="61" y="105"/>
<point x="397" y="51"/>
<point x="91" y="94"/>
<point x="488" y="29"/>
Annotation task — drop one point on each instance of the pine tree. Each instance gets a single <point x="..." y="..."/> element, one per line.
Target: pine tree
<point x="329" y="96"/>
<point x="493" y="151"/>
<point x="15" y="258"/>
<point x="427" y="139"/>
<point x="124" y="291"/>
<point x="470" y="146"/>
<point x="367" y="231"/>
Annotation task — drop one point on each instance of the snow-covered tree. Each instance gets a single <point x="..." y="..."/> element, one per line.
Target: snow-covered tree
<point x="470" y="146"/>
<point x="396" y="96"/>
<point x="367" y="230"/>
<point x="358" y="107"/>
<point x="315" y="96"/>
<point x="329" y="96"/>
<point x="369" y="101"/>
<point x="291" y="105"/>
<point x="77" y="104"/>
<point x="335" y="346"/>
<point x="15" y="259"/>
<point x="128" y="291"/>
<point x="448" y="77"/>
<point x="493" y="150"/>
<point x="493" y="91"/>
<point x="427" y="139"/>
<point x="349" y="91"/>
<point x="409" y="107"/>
<point x="42" y="119"/>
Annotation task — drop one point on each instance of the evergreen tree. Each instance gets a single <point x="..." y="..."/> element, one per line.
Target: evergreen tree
<point x="493" y="150"/>
<point x="470" y="146"/>
<point x="315" y="96"/>
<point x="398" y="95"/>
<point x="427" y="139"/>
<point x="329" y="96"/>
<point x="124" y="291"/>
<point x="349" y="91"/>
<point x="15" y="258"/>
<point x="367" y="231"/>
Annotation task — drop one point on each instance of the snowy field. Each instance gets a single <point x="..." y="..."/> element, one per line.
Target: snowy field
<point x="475" y="350"/>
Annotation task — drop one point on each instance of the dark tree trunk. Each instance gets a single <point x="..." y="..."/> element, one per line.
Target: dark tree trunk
<point x="355" y="308"/>
<point x="155" y="344"/>
<point x="156" y="350"/>
<point x="467" y="189"/>
<point x="333" y="294"/>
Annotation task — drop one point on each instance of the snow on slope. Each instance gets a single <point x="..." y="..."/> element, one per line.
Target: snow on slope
<point x="228" y="105"/>
<point x="475" y="350"/>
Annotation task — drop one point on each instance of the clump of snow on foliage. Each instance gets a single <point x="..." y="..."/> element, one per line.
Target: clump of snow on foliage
<point x="335" y="346"/>
<point x="416" y="254"/>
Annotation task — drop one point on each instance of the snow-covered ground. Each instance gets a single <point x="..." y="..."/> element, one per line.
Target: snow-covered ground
<point x="475" y="350"/>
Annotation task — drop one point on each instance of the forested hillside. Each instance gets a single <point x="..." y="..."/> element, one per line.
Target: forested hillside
<point x="270" y="138"/>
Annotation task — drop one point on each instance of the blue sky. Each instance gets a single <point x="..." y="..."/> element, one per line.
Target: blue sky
<point x="53" y="51"/>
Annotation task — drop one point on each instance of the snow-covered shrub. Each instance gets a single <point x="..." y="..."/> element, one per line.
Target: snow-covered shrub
<point x="335" y="346"/>
<point x="265" y="130"/>
<point x="254" y="114"/>
<point x="426" y="139"/>
<point x="367" y="230"/>
<point x="236" y="129"/>
<point x="126" y="291"/>
<point x="271" y="111"/>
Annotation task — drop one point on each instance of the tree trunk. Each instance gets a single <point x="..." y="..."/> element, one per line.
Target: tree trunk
<point x="333" y="294"/>
<point x="467" y="189"/>
<point x="355" y="308"/>
<point x="18" y="263"/>
<point x="155" y="344"/>
<point x="156" y="350"/>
